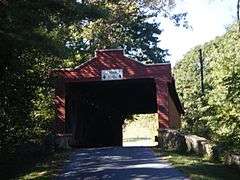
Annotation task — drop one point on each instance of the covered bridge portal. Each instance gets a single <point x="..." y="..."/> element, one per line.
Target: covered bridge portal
<point x="93" y="99"/>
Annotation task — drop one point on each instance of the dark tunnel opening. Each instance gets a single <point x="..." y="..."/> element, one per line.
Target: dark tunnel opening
<point x="95" y="111"/>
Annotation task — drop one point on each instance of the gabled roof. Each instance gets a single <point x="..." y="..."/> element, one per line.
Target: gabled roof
<point x="115" y="59"/>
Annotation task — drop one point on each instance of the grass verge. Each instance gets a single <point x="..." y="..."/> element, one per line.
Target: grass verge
<point x="44" y="167"/>
<point x="198" y="168"/>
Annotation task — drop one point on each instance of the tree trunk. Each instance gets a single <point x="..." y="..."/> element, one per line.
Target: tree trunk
<point x="238" y="15"/>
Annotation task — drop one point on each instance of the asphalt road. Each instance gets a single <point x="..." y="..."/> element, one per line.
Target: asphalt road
<point x="118" y="163"/>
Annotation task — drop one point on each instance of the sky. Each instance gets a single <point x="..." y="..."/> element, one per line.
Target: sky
<point x="208" y="19"/>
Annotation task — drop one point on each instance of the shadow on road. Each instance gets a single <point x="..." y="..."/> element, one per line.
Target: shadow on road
<point x="118" y="163"/>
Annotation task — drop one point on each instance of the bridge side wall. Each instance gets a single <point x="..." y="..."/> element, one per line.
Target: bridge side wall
<point x="91" y="71"/>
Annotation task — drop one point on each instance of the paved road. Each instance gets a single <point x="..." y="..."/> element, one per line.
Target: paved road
<point x="118" y="163"/>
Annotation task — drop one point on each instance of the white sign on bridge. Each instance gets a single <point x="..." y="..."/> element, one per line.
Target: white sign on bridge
<point x="112" y="74"/>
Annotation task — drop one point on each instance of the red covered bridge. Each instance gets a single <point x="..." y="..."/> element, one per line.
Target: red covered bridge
<point x="93" y="99"/>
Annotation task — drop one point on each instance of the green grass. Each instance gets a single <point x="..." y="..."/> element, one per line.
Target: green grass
<point x="46" y="167"/>
<point x="198" y="168"/>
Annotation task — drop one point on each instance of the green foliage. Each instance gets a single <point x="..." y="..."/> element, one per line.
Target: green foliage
<point x="126" y="26"/>
<point x="215" y="115"/>
<point x="33" y="36"/>
<point x="37" y="36"/>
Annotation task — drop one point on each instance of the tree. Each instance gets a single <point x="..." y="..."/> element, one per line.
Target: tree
<point x="33" y="36"/>
<point x="126" y="27"/>
<point x="36" y="36"/>
<point x="217" y="115"/>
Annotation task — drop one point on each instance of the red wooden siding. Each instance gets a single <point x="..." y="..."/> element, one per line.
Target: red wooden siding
<point x="115" y="59"/>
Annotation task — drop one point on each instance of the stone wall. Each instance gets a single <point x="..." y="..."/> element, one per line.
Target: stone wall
<point x="169" y="139"/>
<point x="172" y="140"/>
<point x="199" y="145"/>
<point x="232" y="159"/>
